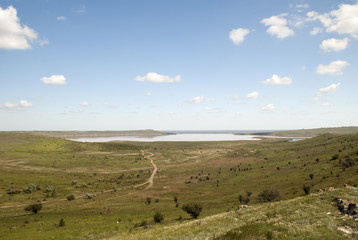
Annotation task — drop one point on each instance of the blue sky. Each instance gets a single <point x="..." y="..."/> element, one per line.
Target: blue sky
<point x="139" y="64"/>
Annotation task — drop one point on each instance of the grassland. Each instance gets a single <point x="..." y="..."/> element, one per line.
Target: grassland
<point x="213" y="174"/>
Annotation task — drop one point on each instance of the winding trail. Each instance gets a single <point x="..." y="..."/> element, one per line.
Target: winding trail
<point x="149" y="182"/>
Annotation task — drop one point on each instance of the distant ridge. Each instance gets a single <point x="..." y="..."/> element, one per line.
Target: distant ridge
<point x="93" y="134"/>
<point x="310" y="132"/>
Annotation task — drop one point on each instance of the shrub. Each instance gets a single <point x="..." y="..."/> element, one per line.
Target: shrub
<point x="175" y="199"/>
<point x="89" y="196"/>
<point x="158" y="217"/>
<point x="148" y="200"/>
<point x="143" y="224"/>
<point x="306" y="189"/>
<point x="12" y="190"/>
<point x="74" y="182"/>
<point x="193" y="209"/>
<point x="311" y="176"/>
<point x="35" y="208"/>
<point x="71" y="197"/>
<point x="62" y="223"/>
<point x="31" y="188"/>
<point x="335" y="156"/>
<point x="269" y="195"/>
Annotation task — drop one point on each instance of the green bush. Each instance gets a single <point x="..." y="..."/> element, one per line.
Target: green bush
<point x="269" y="195"/>
<point x="158" y="217"/>
<point x="12" y="190"/>
<point x="35" y="208"/>
<point x="71" y="197"/>
<point x="306" y="189"/>
<point x="193" y="209"/>
<point x="62" y="223"/>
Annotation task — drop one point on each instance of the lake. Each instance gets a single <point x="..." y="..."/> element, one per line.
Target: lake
<point x="185" y="137"/>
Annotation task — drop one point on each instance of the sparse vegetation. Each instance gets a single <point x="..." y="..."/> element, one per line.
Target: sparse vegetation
<point x="193" y="209"/>
<point x="226" y="171"/>
<point x="269" y="195"/>
<point x="158" y="217"/>
<point x="35" y="208"/>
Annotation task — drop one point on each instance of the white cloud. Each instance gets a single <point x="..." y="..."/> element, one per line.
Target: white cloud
<point x="76" y="111"/>
<point x="330" y="88"/>
<point x="54" y="80"/>
<point x="81" y="9"/>
<point x="238" y="35"/>
<point x="315" y="31"/>
<point x="149" y="94"/>
<point x="268" y="107"/>
<point x="334" y="44"/>
<point x="344" y="20"/>
<point x="109" y="105"/>
<point x="84" y="104"/>
<point x="197" y="100"/>
<point x="25" y="104"/>
<point x="277" y="80"/>
<point x="278" y="26"/>
<point x="252" y="95"/>
<point x="219" y="110"/>
<point x="44" y="42"/>
<point x="61" y="18"/>
<point x="305" y="5"/>
<point x="235" y="98"/>
<point x="326" y="104"/>
<point x="157" y="78"/>
<point x="21" y="104"/>
<point x="12" y="34"/>
<point x="334" y="68"/>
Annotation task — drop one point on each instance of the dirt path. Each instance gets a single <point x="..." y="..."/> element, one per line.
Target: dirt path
<point x="149" y="182"/>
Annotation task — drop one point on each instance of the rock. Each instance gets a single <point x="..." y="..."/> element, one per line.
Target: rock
<point x="242" y="206"/>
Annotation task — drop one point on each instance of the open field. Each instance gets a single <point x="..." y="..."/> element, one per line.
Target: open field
<point x="122" y="178"/>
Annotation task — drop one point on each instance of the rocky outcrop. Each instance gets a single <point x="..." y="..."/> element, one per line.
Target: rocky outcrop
<point x="346" y="207"/>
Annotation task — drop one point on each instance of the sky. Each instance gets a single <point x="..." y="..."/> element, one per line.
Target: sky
<point x="178" y="65"/>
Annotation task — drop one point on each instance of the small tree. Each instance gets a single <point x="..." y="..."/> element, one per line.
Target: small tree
<point x="306" y="189"/>
<point x="175" y="199"/>
<point x="311" y="176"/>
<point x="269" y="195"/>
<point x="193" y="209"/>
<point x="158" y="217"/>
<point x="35" y="208"/>
<point x="71" y="197"/>
<point x="148" y="200"/>
<point x="62" y="223"/>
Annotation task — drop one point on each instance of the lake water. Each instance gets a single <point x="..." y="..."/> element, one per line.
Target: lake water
<point x="193" y="137"/>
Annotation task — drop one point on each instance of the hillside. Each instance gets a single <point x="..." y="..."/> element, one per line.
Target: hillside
<point x="113" y="190"/>
<point x="310" y="132"/>
<point x="310" y="217"/>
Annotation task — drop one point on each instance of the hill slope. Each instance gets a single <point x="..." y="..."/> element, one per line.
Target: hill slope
<point x="314" y="216"/>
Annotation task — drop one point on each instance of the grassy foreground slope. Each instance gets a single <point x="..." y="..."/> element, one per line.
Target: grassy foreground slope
<point x="213" y="174"/>
<point x="310" y="217"/>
